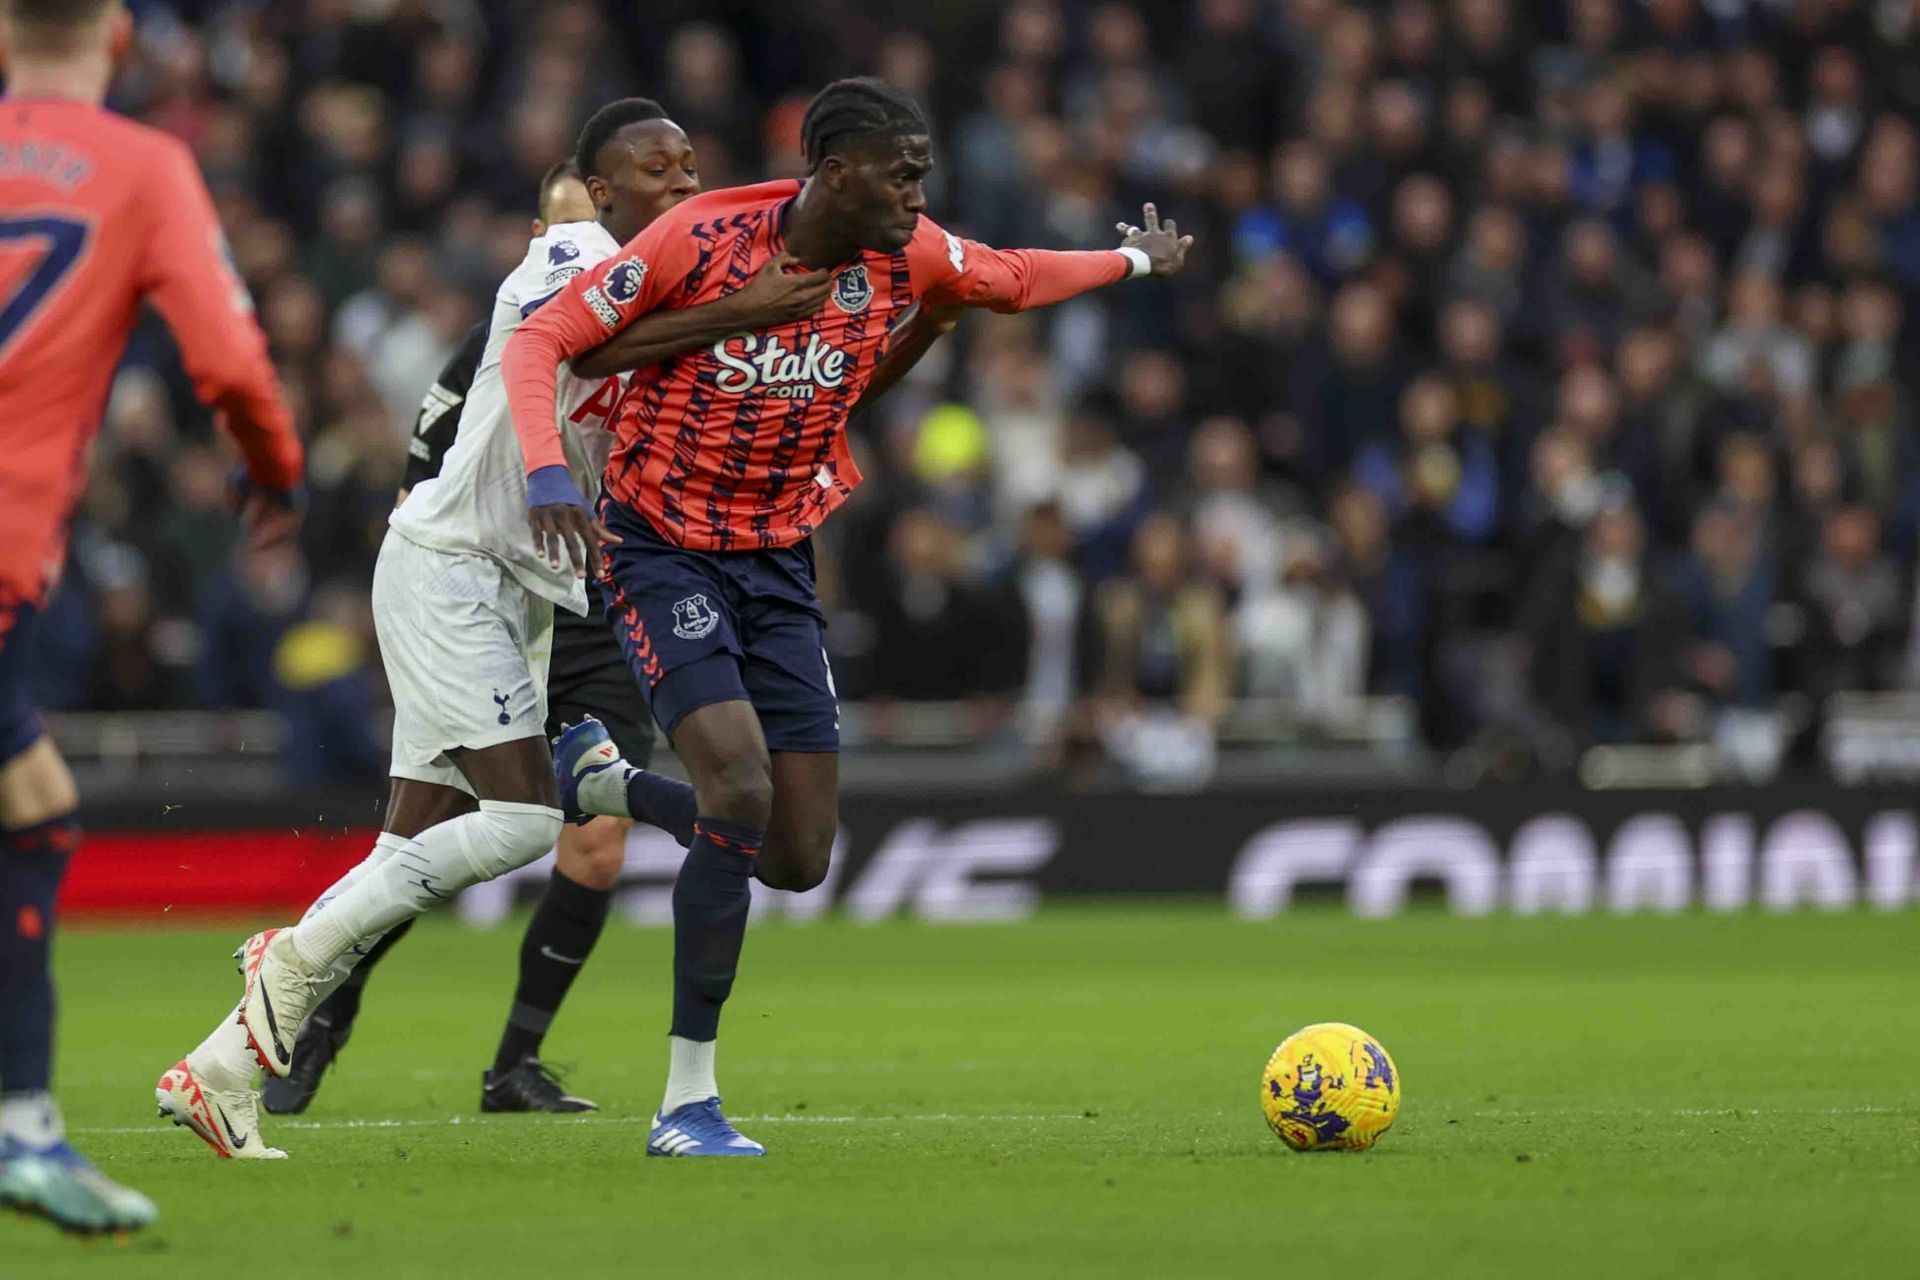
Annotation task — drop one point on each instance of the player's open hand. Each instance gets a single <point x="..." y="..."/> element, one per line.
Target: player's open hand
<point x="271" y="519"/>
<point x="1165" y="247"/>
<point x="782" y="290"/>
<point x="271" y="516"/>
<point x="561" y="529"/>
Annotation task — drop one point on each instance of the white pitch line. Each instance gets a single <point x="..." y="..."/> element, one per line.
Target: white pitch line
<point x="1729" y="1113"/>
<point x="453" y="1122"/>
<point x="160" y="1127"/>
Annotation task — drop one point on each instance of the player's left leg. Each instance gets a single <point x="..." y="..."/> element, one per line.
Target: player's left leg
<point x="587" y="677"/>
<point x="413" y="806"/>
<point x="39" y="1172"/>
<point x="560" y="938"/>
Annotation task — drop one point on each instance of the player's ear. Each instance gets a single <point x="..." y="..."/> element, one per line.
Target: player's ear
<point x="539" y="228"/>
<point x="119" y="34"/>
<point x="600" y="191"/>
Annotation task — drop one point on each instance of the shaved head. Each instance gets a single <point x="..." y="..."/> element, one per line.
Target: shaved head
<point x="57" y="26"/>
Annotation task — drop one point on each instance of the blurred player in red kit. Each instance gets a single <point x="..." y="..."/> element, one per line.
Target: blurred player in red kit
<point x="728" y="458"/>
<point x="97" y="214"/>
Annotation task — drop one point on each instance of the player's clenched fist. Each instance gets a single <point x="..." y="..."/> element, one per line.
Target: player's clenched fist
<point x="1165" y="247"/>
<point x="781" y="290"/>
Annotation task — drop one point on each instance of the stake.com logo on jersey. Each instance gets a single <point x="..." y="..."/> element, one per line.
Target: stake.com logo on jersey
<point x="755" y="361"/>
<point x="752" y="361"/>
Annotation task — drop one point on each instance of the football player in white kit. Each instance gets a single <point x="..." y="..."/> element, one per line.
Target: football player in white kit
<point x="463" y="604"/>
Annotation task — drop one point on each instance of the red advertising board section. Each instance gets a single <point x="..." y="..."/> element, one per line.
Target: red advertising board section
<point x="147" y="874"/>
<point x="997" y="855"/>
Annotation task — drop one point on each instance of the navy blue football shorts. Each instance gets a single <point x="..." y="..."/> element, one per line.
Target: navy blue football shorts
<point x="702" y="627"/>
<point x="20" y="725"/>
<point x="587" y="676"/>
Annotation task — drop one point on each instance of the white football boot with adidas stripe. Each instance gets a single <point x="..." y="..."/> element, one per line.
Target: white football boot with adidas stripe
<point x="280" y="993"/>
<point x="228" y="1120"/>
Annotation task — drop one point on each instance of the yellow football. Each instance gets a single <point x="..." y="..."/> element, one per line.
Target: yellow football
<point x="1330" y="1087"/>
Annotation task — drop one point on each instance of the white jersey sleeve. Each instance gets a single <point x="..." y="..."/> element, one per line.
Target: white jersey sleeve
<point x="477" y="504"/>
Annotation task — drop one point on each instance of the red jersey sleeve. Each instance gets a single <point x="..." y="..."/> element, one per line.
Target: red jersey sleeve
<point x="187" y="275"/>
<point x="595" y="305"/>
<point x="947" y="268"/>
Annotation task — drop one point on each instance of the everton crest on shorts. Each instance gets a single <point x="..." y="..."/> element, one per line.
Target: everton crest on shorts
<point x="694" y="618"/>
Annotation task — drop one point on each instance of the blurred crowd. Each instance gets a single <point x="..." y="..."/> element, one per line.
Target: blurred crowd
<point x="1545" y="365"/>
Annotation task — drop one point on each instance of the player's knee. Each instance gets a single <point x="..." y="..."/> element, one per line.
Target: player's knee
<point x="593" y="855"/>
<point x="797" y="860"/>
<point x="739" y="791"/>
<point x="507" y="836"/>
<point x="35" y="785"/>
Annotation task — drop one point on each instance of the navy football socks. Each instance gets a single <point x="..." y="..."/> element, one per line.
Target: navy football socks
<point x="666" y="803"/>
<point x="559" y="939"/>
<point x="710" y="902"/>
<point x="33" y="860"/>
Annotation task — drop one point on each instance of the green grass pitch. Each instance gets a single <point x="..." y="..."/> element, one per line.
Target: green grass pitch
<point x="1686" y="1096"/>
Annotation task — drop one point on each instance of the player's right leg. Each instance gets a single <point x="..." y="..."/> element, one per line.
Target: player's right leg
<point x="39" y="1172"/>
<point x="465" y="652"/>
<point x="413" y="805"/>
<point x="673" y="612"/>
<point x="721" y="745"/>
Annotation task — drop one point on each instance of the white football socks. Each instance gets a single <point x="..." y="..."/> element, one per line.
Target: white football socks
<point x="224" y="1060"/>
<point x="385" y="846"/>
<point x="689" y="1073"/>
<point x="441" y="861"/>
<point x="32" y="1118"/>
<point x="604" y="791"/>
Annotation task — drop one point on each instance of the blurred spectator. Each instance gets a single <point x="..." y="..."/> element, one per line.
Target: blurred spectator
<point x="1723" y="590"/>
<point x="1395" y="584"/>
<point x="1353" y="395"/>
<point x="1330" y="235"/>
<point x="323" y="668"/>
<point x="1164" y="671"/>
<point x="1855" y="602"/>
<point x="930" y="623"/>
<point x="1593" y="632"/>
<point x="1304" y="638"/>
<point x="1062" y="628"/>
<point x="1435" y="464"/>
<point x="1235" y="519"/>
<point x="1103" y="486"/>
<point x="1756" y="340"/>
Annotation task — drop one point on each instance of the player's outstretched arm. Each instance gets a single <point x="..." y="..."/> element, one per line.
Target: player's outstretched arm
<point x="780" y="291"/>
<point x="949" y="270"/>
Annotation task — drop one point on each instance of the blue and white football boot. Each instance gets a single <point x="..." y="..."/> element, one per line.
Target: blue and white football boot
<point x="581" y="749"/>
<point x="698" y="1129"/>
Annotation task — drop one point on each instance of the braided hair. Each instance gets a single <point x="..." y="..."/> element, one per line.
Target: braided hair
<point x="605" y="123"/>
<point x="858" y="109"/>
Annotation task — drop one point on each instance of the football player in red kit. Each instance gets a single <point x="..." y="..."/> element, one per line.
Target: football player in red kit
<point x="727" y="460"/>
<point x="97" y="214"/>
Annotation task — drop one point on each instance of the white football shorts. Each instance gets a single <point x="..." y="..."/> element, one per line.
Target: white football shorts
<point x="466" y="650"/>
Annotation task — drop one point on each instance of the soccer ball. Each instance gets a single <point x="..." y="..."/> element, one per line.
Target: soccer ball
<point x="1330" y="1087"/>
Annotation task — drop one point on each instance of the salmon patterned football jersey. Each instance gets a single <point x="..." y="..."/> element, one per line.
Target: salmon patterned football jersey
<point x="742" y="445"/>
<point x="97" y="213"/>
